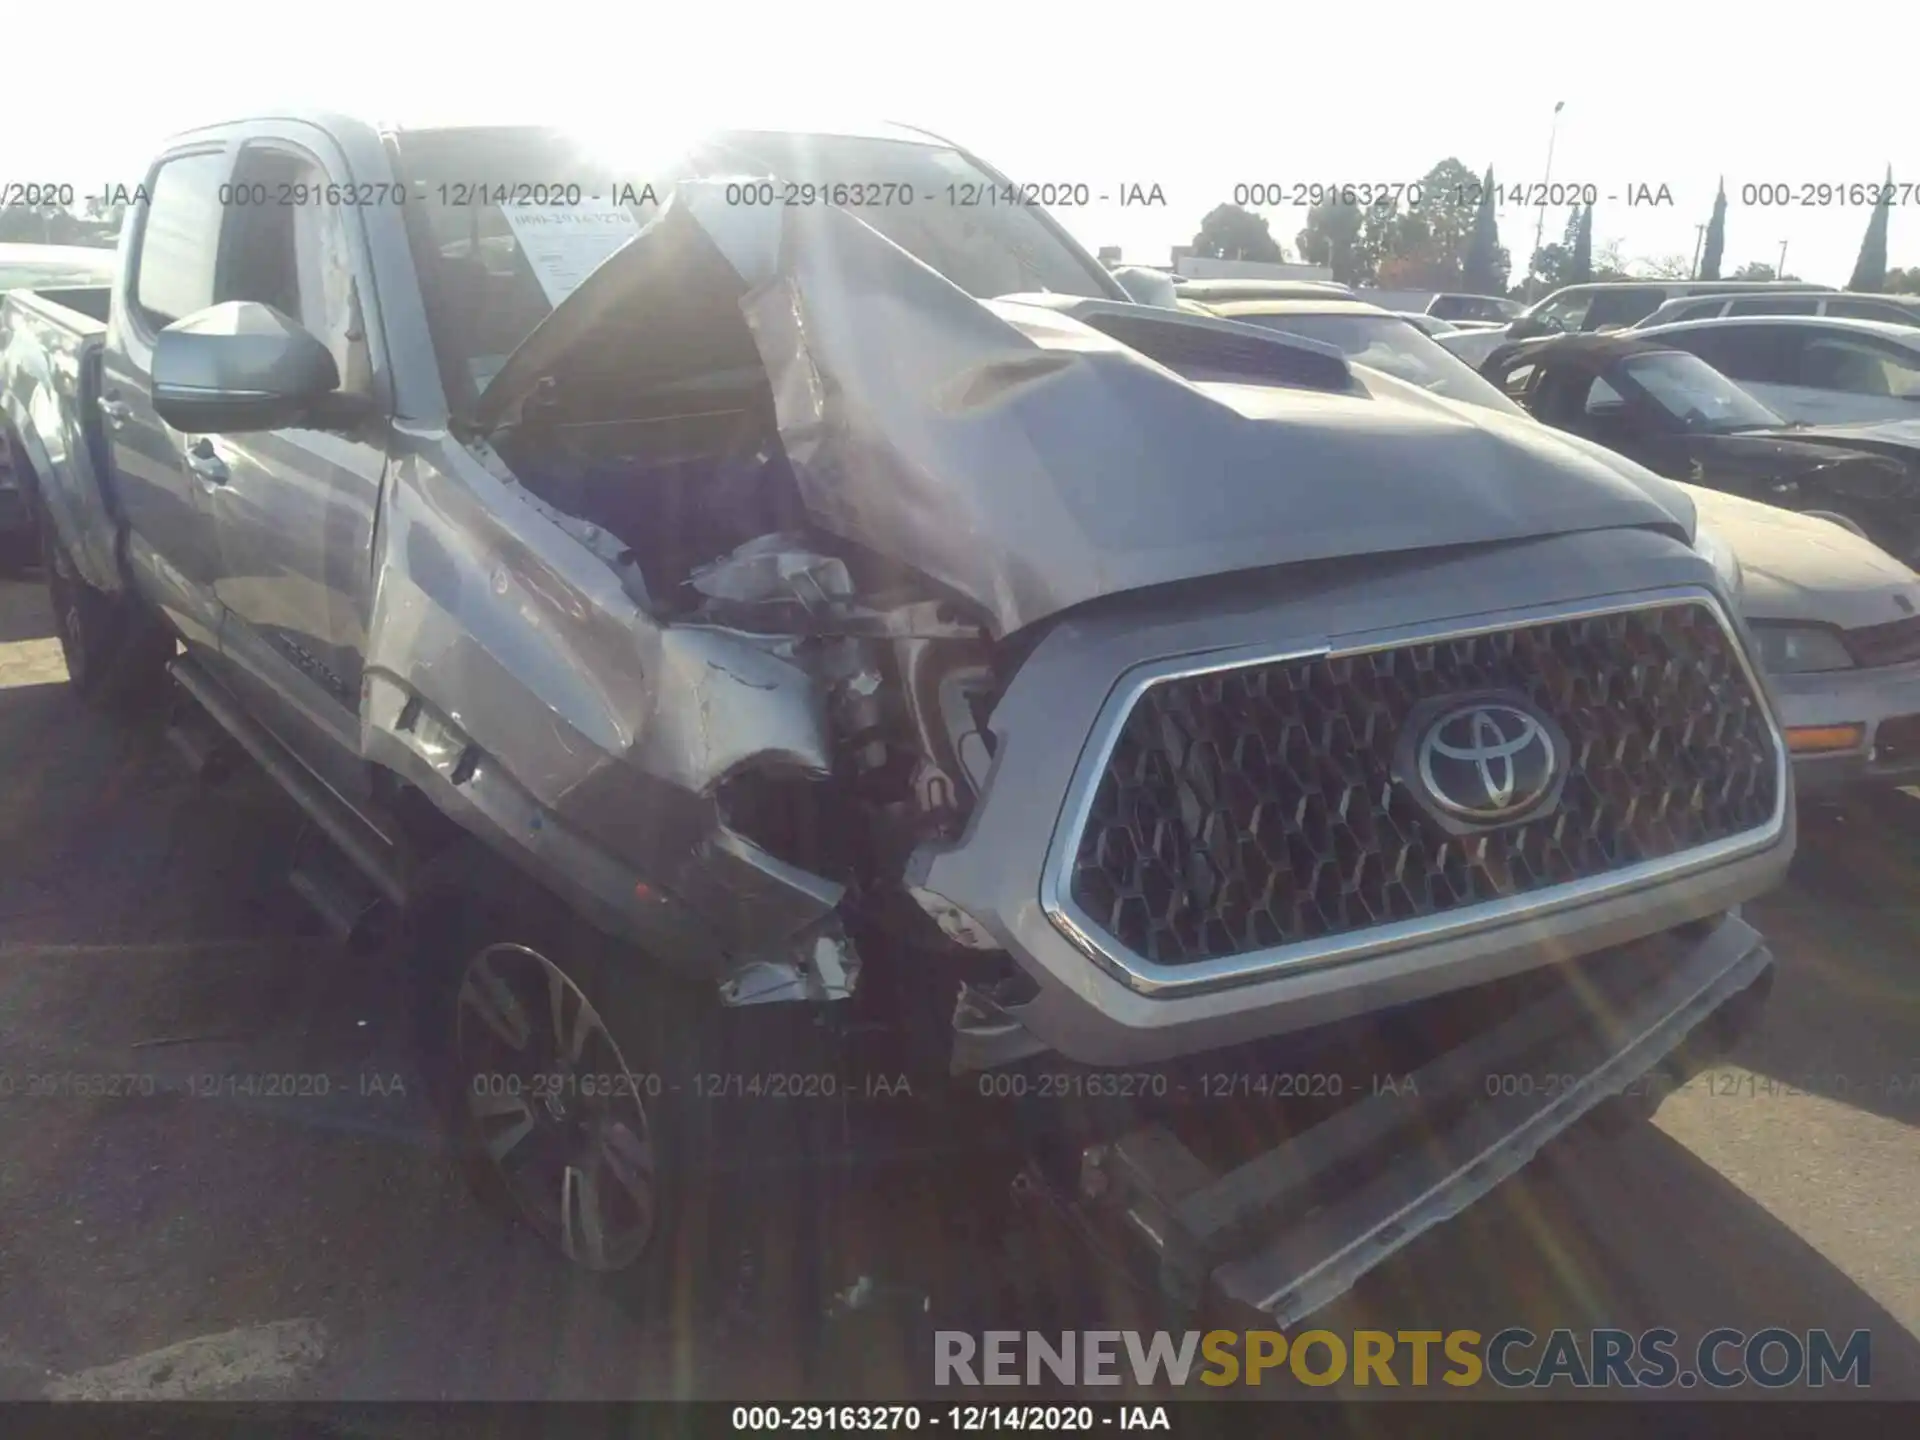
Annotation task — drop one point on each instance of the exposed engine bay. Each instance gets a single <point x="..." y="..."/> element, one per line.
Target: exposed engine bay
<point x="821" y="449"/>
<point x="701" y="516"/>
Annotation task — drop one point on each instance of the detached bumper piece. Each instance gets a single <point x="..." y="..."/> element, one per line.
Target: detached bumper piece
<point x="1292" y="1228"/>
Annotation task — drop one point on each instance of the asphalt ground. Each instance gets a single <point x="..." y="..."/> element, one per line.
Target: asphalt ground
<point x="163" y="1233"/>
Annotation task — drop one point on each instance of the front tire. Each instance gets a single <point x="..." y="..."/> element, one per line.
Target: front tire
<point x="577" y="1079"/>
<point x="116" y="653"/>
<point x="548" y="1063"/>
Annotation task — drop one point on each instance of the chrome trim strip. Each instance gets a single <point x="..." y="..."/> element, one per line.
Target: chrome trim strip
<point x="1150" y="978"/>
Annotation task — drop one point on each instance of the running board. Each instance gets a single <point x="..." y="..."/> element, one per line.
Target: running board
<point x="1279" y="1235"/>
<point x="371" y="853"/>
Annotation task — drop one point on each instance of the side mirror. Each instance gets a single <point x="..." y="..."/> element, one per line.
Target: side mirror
<point x="1523" y="327"/>
<point x="237" y="367"/>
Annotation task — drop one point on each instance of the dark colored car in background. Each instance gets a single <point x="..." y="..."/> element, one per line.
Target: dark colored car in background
<point x="1678" y="416"/>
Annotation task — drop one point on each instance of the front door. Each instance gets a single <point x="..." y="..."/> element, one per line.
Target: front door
<point x="296" y="508"/>
<point x="165" y="502"/>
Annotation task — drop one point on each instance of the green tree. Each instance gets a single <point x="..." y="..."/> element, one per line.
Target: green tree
<point x="1232" y="232"/>
<point x="1549" y="269"/>
<point x="1902" y="282"/>
<point x="1870" y="270"/>
<point x="1716" y="242"/>
<point x="1580" y="267"/>
<point x="1332" y="238"/>
<point x="1484" y="271"/>
<point x="1449" y="205"/>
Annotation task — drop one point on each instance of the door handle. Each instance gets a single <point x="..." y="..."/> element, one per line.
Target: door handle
<point x="115" y="412"/>
<point x="205" y="462"/>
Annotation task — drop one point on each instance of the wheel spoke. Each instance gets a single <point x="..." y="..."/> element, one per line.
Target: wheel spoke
<point x="502" y="1140"/>
<point x="487" y="996"/>
<point x="582" y="1230"/>
<point x="629" y="1158"/>
<point x="569" y="1034"/>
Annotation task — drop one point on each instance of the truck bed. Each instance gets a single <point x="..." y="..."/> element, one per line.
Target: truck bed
<point x="51" y="343"/>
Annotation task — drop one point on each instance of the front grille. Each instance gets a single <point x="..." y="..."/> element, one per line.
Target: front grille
<point x="1255" y="807"/>
<point x="1894" y="643"/>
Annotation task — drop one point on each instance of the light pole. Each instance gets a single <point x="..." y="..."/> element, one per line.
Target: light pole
<point x="1699" y="235"/>
<point x="1540" y="229"/>
<point x="1780" y="270"/>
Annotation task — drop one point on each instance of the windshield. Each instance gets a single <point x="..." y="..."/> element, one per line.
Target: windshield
<point x="1395" y="346"/>
<point x="959" y="220"/>
<point x="506" y="223"/>
<point x="1696" y="394"/>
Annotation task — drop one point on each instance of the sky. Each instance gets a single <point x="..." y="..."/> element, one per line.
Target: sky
<point x="1195" y="100"/>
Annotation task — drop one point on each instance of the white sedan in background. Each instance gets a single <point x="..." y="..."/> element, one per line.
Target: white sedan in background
<point x="1818" y="369"/>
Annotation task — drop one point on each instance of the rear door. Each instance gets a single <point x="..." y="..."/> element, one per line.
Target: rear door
<point x="170" y="275"/>
<point x="295" y="508"/>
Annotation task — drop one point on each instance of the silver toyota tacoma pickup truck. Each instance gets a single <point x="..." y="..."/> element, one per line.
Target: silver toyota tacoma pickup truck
<point x="795" y="606"/>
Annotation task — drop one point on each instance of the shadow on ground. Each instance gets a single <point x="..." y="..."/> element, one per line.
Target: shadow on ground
<point x="145" y="933"/>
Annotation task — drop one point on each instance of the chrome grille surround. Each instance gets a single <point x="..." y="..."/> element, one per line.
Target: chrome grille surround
<point x="1153" y="974"/>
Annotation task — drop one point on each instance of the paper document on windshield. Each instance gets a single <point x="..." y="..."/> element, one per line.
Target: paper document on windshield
<point x="565" y="243"/>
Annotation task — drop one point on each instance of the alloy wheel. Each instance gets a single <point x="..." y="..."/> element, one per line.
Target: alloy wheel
<point x="555" y="1108"/>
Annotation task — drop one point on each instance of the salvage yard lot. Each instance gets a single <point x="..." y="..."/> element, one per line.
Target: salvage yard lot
<point x="146" y="949"/>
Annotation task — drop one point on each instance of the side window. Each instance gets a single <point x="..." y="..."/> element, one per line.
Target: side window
<point x="1568" y="312"/>
<point x="179" y="239"/>
<point x="1622" y="307"/>
<point x="1857" y="367"/>
<point x="1700" y="310"/>
<point x="1775" y="305"/>
<point x="296" y="257"/>
<point x="1765" y="354"/>
<point x="1603" y="400"/>
<point x="1516" y="380"/>
<point x="1870" y="310"/>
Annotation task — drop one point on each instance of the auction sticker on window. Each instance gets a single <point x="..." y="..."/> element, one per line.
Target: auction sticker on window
<point x="565" y="243"/>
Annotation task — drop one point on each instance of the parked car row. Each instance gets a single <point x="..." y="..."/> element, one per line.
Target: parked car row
<point x="1836" y="618"/>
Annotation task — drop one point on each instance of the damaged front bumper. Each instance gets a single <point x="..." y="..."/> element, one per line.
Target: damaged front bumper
<point x="1292" y="1228"/>
<point x="1099" y="1011"/>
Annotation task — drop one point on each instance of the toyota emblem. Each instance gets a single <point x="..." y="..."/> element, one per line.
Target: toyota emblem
<point x="1487" y="760"/>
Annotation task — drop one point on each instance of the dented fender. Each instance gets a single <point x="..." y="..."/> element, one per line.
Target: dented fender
<point x="514" y="680"/>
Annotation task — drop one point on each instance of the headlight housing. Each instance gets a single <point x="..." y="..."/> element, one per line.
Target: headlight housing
<point x="1799" y="649"/>
<point x="1708" y="545"/>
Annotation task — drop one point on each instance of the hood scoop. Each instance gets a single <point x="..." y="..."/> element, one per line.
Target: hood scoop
<point x="1199" y="347"/>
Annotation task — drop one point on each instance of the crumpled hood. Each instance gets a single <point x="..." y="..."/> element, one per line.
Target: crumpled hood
<point x="1029" y="462"/>
<point x="1800" y="568"/>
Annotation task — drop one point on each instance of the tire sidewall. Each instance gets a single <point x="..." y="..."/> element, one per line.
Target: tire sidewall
<point x="653" y="1020"/>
